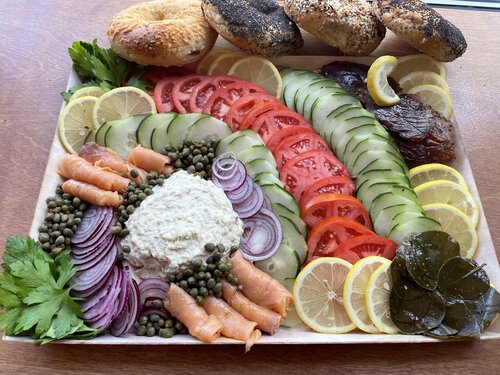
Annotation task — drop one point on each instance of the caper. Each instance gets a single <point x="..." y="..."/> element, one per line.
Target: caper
<point x="65" y="208"/>
<point x="55" y="226"/>
<point x="126" y="249"/>
<point x="59" y="190"/>
<point x="167" y="333"/>
<point x="230" y="278"/>
<point x="78" y="215"/>
<point x="200" y="275"/>
<point x="199" y="166"/>
<point x="210" y="283"/>
<point x="187" y="272"/>
<point x="74" y="228"/>
<point x="204" y="150"/>
<point x="217" y="288"/>
<point x="208" y="276"/>
<point x="189" y="158"/>
<point x="67" y="241"/>
<point x="200" y="300"/>
<point x="151" y="331"/>
<point x="217" y="256"/>
<point x="203" y="291"/>
<point x="179" y="326"/>
<point x="154" y="317"/>
<point x="142" y="196"/>
<point x="209" y="247"/>
<point x="196" y="152"/>
<point x="179" y="276"/>
<point x="143" y="320"/>
<point x="67" y="232"/>
<point x="78" y="220"/>
<point x="193" y="292"/>
<point x="76" y="201"/>
<point x="64" y="218"/>
<point x="229" y="264"/>
<point x="52" y="204"/>
<point x="211" y="267"/>
<point x="202" y="283"/>
<point x="171" y="277"/>
<point x="130" y="209"/>
<point x="210" y="260"/>
<point x="197" y="263"/>
<point x="183" y="284"/>
<point x="148" y="191"/>
<point x="203" y="267"/>
<point x="235" y="281"/>
<point x="55" y="234"/>
<point x="173" y="156"/>
<point x="191" y="281"/>
<point x="141" y="330"/>
<point x="178" y="163"/>
<point x="46" y="246"/>
<point x="57" y="218"/>
<point x="197" y="159"/>
<point x="43" y="228"/>
<point x="217" y="273"/>
<point x="223" y="267"/>
<point x="62" y="226"/>
<point x="157" y="303"/>
<point x="191" y="169"/>
<point x="66" y="196"/>
<point x="210" y="156"/>
<point x="124" y="233"/>
<point x="169" y="323"/>
<point x="116" y="229"/>
<point x="44" y="237"/>
<point x="55" y="251"/>
<point x="132" y="199"/>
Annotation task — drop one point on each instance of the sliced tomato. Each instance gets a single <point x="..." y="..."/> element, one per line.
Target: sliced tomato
<point x="162" y="94"/>
<point x="328" y="234"/>
<point x="221" y="100"/>
<point x="299" y="172"/>
<point x="203" y="90"/>
<point x="359" y="247"/>
<point x="284" y="133"/>
<point x="243" y="105"/>
<point x="342" y="205"/>
<point x="270" y="122"/>
<point x="258" y="110"/>
<point x="181" y="93"/>
<point x="297" y="144"/>
<point x="328" y="185"/>
<point x="155" y="74"/>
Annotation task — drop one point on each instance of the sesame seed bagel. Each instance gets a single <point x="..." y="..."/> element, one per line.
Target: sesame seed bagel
<point x="422" y="27"/>
<point x="348" y="25"/>
<point x="256" y="26"/>
<point x="164" y="32"/>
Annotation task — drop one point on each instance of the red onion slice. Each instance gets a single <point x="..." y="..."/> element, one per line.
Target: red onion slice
<point x="262" y="235"/>
<point x="95" y="219"/>
<point x="228" y="172"/>
<point x="252" y="204"/>
<point x="96" y="257"/>
<point x="127" y="318"/>
<point x="241" y="193"/>
<point x="156" y="288"/>
<point x="153" y="310"/>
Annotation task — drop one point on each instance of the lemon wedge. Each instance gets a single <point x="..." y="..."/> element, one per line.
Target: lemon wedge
<point x="412" y="63"/>
<point x="355" y="291"/>
<point x="94" y="91"/>
<point x="435" y="171"/>
<point x="209" y="58"/>
<point x="221" y="65"/>
<point x="318" y="295"/>
<point x="434" y="96"/>
<point x="76" y="122"/>
<point x="422" y="77"/>
<point x="378" y="85"/>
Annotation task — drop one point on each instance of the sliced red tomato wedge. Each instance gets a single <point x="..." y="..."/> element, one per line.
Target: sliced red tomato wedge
<point x="284" y="133"/>
<point x="162" y="94"/>
<point x="297" y="144"/>
<point x="258" y="110"/>
<point x="355" y="248"/>
<point x="328" y="234"/>
<point x="203" y="90"/>
<point x="243" y="105"/>
<point x="270" y="122"/>
<point x="155" y="74"/>
<point x="328" y="185"/>
<point x="221" y="100"/>
<point x="322" y="206"/>
<point x="181" y="93"/>
<point x="299" y="172"/>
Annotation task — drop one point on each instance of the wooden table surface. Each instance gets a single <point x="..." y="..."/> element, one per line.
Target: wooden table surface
<point x="34" y="66"/>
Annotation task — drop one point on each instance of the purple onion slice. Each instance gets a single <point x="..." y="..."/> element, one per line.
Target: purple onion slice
<point x="152" y="288"/>
<point x="262" y="235"/>
<point x="252" y="204"/>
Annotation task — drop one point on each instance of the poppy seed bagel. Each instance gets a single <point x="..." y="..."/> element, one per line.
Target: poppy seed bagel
<point x="422" y="27"/>
<point x="257" y="26"/>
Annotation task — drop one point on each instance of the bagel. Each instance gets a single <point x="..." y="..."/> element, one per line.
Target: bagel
<point x="422" y="27"/>
<point x="164" y="32"/>
<point x="256" y="26"/>
<point x="349" y="26"/>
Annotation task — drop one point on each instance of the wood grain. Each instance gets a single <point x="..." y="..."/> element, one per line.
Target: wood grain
<point x="33" y="70"/>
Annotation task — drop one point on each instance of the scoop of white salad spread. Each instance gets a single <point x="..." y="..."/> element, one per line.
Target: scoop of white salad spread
<point x="171" y="227"/>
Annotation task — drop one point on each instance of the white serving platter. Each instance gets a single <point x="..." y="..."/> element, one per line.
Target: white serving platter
<point x="301" y="334"/>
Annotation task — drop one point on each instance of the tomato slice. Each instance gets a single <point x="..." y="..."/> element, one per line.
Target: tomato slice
<point x="299" y="172"/>
<point x="221" y="100"/>
<point x="284" y="133"/>
<point x="328" y="185"/>
<point x="258" y="110"/>
<point x="270" y="122"/>
<point x="243" y="105"/>
<point x="162" y="94"/>
<point x="203" y="90"/>
<point x="325" y="237"/>
<point x="181" y="93"/>
<point x="155" y="74"/>
<point x="359" y="247"/>
<point x="297" y="144"/>
<point x="342" y="205"/>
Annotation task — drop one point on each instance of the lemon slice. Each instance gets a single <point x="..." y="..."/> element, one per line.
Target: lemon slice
<point x="435" y="171"/>
<point x="412" y="63"/>
<point x="378" y="85"/>
<point x="443" y="191"/>
<point x="456" y="224"/>
<point x="221" y="65"/>
<point x="76" y="122"/>
<point x="94" y="91"/>
<point x="121" y="103"/>
<point x="434" y="96"/>
<point x="355" y="289"/>
<point x="422" y="77"/>
<point x="318" y="295"/>
<point x="260" y="71"/>
<point x="377" y="296"/>
<point x="209" y="58"/>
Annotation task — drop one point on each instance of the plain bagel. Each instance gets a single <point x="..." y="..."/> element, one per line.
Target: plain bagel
<point x="257" y="26"/>
<point x="164" y="32"/>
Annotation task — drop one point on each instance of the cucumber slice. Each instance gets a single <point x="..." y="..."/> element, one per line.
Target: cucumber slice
<point x="159" y="137"/>
<point x="355" y="135"/>
<point x="149" y="124"/>
<point x="365" y="158"/>
<point x="371" y="189"/>
<point x="223" y="143"/>
<point x="267" y="178"/>
<point x="384" y="218"/>
<point x="91" y="136"/>
<point x="178" y="130"/>
<point x="208" y="128"/>
<point x="396" y="166"/>
<point x="316" y="89"/>
<point x="372" y="143"/>
<point x="246" y="155"/>
<point x="281" y="210"/>
<point x="327" y="104"/>
<point x="403" y="217"/>
<point x="259" y="166"/>
<point x="292" y="319"/>
<point x="396" y="195"/>
<point x="416" y="225"/>
<point x="100" y="135"/>
<point x="243" y="143"/>
<point x="287" y="75"/>
<point x="341" y="127"/>
<point x="293" y="238"/>
<point x="383" y="173"/>
<point x="279" y="195"/>
<point x="120" y="136"/>
<point x="339" y="121"/>
<point x="301" y="80"/>
<point x="284" y="264"/>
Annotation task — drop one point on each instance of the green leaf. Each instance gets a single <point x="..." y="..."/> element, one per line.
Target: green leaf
<point x="463" y="278"/>
<point x="19" y="248"/>
<point x="8" y="319"/>
<point x="65" y="269"/>
<point x="33" y="274"/>
<point x="66" y="95"/>
<point x="9" y="300"/>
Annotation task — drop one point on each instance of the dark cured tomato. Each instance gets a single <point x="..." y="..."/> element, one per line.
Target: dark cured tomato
<point x="243" y="105"/>
<point x="162" y="94"/>
<point x="284" y="133"/>
<point x="203" y="90"/>
<point x="221" y="100"/>
<point x="181" y="93"/>
<point x="299" y="172"/>
<point x="297" y="144"/>
<point x="270" y="122"/>
<point x="258" y="110"/>
<point x="325" y="237"/>
<point x="342" y="205"/>
<point x="359" y="247"/>
<point x="328" y="185"/>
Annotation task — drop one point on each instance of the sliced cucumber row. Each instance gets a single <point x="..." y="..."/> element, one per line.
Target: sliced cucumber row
<point x="365" y="147"/>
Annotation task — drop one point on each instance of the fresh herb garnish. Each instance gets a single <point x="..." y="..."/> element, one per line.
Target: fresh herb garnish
<point x="35" y="297"/>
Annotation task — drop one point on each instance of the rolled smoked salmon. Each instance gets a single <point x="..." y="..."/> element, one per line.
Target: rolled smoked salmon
<point x="107" y="159"/>
<point x="236" y="326"/>
<point x="267" y="320"/>
<point x="77" y="168"/>
<point x="259" y="287"/>
<point x="92" y="194"/>
<point x="205" y="327"/>
<point x="150" y="160"/>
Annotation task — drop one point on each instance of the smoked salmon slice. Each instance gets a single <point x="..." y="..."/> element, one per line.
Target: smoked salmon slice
<point x="77" y="168"/>
<point x="107" y="159"/>
<point x="259" y="287"/>
<point x="267" y="320"/>
<point x="205" y="327"/>
<point x="150" y="160"/>
<point x="236" y="326"/>
<point x="92" y="194"/>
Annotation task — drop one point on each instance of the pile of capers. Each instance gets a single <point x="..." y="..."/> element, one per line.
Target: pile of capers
<point x="195" y="157"/>
<point x="64" y="213"/>
<point x="202" y="279"/>
<point x="154" y="324"/>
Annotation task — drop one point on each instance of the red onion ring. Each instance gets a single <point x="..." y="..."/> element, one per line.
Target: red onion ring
<point x="95" y="219"/>
<point x="130" y="312"/>
<point x="156" y="288"/>
<point x="262" y="235"/>
<point x="231" y="177"/>
<point x="241" y="193"/>
<point x="252" y="204"/>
